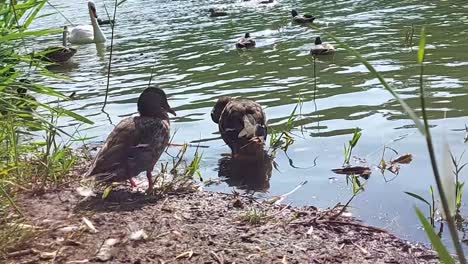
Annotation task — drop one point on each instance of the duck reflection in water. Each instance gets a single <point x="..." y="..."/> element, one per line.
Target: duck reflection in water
<point x="247" y="174"/>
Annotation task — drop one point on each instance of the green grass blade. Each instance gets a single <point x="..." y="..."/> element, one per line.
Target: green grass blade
<point x="442" y="252"/>
<point x="422" y="45"/>
<point x="418" y="197"/>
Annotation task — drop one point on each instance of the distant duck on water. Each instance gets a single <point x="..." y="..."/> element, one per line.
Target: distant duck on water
<point x="105" y="22"/>
<point x="59" y="54"/>
<point x="321" y="48"/>
<point x="136" y="143"/>
<point x="302" y="19"/>
<point x="245" y="42"/>
<point x="242" y="124"/>
<point x="216" y="12"/>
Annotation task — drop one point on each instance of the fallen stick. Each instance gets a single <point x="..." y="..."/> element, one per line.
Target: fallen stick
<point x="188" y="145"/>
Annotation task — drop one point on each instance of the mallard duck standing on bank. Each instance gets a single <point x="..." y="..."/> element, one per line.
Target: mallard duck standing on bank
<point x="136" y="143"/>
<point x="59" y="54"/>
<point x="245" y="42"/>
<point x="301" y="18"/>
<point x="242" y="125"/>
<point x="320" y="48"/>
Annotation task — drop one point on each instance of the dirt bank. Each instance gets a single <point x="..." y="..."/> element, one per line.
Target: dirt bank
<point x="199" y="227"/>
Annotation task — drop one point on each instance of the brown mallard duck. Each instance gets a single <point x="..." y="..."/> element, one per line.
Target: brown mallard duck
<point x="59" y="54"/>
<point x="136" y="143"/>
<point x="302" y="19"/>
<point x="242" y="125"/>
<point x="321" y="48"/>
<point x="245" y="42"/>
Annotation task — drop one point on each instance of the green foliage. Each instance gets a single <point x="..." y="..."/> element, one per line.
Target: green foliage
<point x="442" y="252"/>
<point x="348" y="149"/>
<point x="26" y="162"/>
<point x="431" y="205"/>
<point x="254" y="216"/>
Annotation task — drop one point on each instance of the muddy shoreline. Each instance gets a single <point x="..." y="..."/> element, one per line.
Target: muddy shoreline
<point x="198" y="227"/>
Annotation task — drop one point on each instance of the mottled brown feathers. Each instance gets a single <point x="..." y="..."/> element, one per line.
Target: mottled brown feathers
<point x="242" y="125"/>
<point x="136" y="143"/>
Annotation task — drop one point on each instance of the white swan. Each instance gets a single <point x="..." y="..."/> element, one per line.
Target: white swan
<point x="85" y="34"/>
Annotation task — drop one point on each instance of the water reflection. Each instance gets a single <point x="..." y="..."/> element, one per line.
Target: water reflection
<point x="247" y="174"/>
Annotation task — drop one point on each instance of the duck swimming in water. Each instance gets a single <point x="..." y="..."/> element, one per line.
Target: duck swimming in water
<point x="216" y="12"/>
<point x="320" y="48"/>
<point x="59" y="54"/>
<point x="245" y="42"/>
<point x="242" y="124"/>
<point x="105" y="22"/>
<point x="136" y="143"/>
<point x="302" y="19"/>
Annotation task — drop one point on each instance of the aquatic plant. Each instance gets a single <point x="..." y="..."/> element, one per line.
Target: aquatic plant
<point x="424" y="129"/>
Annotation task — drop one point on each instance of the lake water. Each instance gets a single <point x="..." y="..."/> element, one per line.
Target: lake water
<point x="193" y="57"/>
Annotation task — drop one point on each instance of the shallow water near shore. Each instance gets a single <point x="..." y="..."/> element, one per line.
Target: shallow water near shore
<point x="194" y="59"/>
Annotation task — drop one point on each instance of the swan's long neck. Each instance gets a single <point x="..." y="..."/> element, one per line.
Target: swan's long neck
<point x="98" y="35"/>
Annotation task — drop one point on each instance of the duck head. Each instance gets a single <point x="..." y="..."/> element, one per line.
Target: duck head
<point x="318" y="41"/>
<point x="219" y="107"/>
<point x="247" y="35"/>
<point x="153" y="103"/>
<point x="294" y="13"/>
<point x="211" y="10"/>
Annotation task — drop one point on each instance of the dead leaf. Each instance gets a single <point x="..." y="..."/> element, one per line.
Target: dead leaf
<point x="357" y="170"/>
<point x="403" y="159"/>
<point x="187" y="255"/>
<point x="105" y="252"/>
<point x="394" y="168"/>
<point x="89" y="226"/>
<point x="284" y="261"/>
<point x="138" y="235"/>
<point x="68" y="229"/>
<point x="45" y="255"/>
<point x="85" y="191"/>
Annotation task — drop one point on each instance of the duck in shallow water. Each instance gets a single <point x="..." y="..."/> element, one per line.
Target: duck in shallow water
<point x="302" y="19"/>
<point x="245" y="42"/>
<point x="136" y="143"/>
<point x="216" y="12"/>
<point x="59" y="54"/>
<point x="105" y="22"/>
<point x="242" y="124"/>
<point x="321" y="48"/>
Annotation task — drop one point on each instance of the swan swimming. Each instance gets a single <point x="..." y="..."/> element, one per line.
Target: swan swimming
<point x="85" y="34"/>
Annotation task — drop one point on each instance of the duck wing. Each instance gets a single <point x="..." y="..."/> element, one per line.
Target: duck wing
<point x="134" y="145"/>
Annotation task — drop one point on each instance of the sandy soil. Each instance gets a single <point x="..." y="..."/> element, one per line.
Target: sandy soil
<point x="199" y="227"/>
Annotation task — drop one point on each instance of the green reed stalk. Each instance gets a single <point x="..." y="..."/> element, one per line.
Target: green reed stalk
<point x="110" y="56"/>
<point x="430" y="147"/>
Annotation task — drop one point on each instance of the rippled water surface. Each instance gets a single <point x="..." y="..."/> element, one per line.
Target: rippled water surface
<point x="192" y="56"/>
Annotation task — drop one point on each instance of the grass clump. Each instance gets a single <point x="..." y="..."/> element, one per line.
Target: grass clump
<point x="254" y="216"/>
<point x="33" y="154"/>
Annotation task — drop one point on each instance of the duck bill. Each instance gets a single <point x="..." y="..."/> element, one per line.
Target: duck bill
<point x="171" y="111"/>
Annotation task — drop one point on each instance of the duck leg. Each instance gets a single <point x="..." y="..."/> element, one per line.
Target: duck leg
<point x="150" y="180"/>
